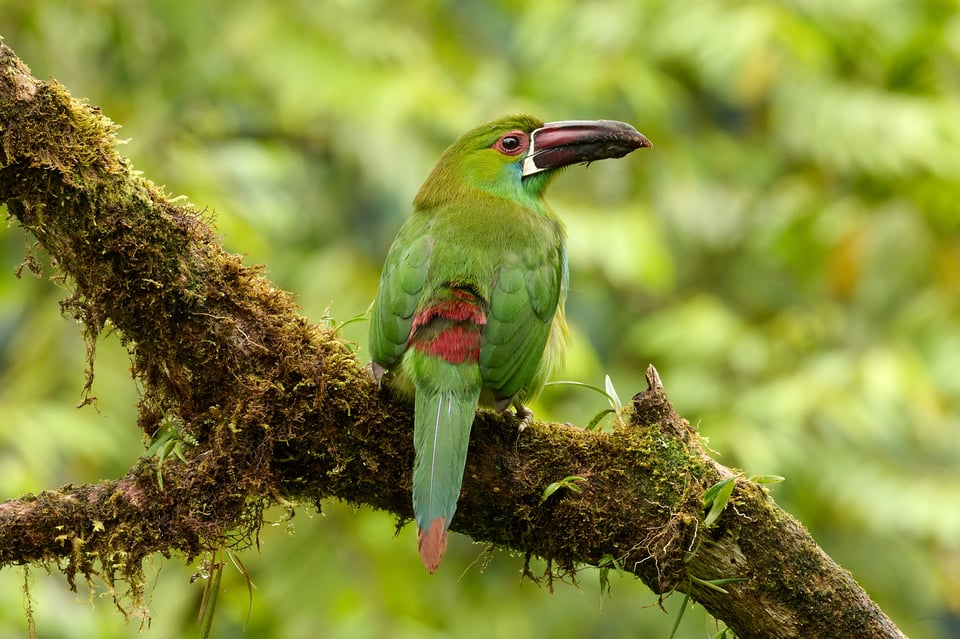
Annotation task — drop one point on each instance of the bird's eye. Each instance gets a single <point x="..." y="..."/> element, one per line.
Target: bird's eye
<point x="512" y="143"/>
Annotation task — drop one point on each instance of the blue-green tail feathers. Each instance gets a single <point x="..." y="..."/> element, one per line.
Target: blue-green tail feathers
<point x="443" y="417"/>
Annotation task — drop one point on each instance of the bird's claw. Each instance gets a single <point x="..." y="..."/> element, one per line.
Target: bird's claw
<point x="525" y="415"/>
<point x="377" y="372"/>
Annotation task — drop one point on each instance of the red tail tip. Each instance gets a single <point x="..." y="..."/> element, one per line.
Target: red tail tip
<point x="432" y="542"/>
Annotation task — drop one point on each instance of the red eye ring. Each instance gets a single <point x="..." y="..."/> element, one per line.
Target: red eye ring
<point x="512" y="143"/>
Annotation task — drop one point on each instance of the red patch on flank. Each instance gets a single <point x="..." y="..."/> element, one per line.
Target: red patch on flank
<point x="456" y="344"/>
<point x="462" y="309"/>
<point x="450" y="328"/>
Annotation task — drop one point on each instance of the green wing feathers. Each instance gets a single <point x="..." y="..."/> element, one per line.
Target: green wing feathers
<point x="403" y="278"/>
<point x="525" y="334"/>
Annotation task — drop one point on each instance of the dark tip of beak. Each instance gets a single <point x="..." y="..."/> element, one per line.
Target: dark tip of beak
<point x="558" y="144"/>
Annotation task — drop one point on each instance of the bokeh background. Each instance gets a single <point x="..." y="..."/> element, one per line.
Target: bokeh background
<point x="787" y="254"/>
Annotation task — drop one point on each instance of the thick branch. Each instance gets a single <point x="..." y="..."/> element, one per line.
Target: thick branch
<point x="281" y="408"/>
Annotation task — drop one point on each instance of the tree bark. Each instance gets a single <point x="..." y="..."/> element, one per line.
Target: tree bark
<point x="270" y="408"/>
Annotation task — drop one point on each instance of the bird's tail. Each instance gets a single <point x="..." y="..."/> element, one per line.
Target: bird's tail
<point x="444" y="410"/>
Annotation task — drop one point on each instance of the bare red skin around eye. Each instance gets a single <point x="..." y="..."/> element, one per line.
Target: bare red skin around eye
<point x="519" y="136"/>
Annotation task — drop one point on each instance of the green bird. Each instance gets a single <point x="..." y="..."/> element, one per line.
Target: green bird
<point x="470" y="304"/>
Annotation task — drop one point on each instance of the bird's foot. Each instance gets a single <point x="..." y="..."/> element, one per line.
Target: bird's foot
<point x="525" y="415"/>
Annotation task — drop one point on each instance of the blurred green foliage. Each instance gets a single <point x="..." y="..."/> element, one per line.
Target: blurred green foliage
<point x="787" y="255"/>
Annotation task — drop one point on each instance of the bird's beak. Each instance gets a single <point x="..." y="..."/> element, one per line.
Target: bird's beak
<point x="558" y="144"/>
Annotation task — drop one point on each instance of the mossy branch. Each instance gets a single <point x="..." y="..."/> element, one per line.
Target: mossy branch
<point x="282" y="411"/>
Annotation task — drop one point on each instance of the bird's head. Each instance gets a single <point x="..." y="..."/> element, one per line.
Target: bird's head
<point x="515" y="157"/>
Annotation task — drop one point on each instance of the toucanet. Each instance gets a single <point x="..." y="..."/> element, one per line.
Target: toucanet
<point x="470" y="305"/>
